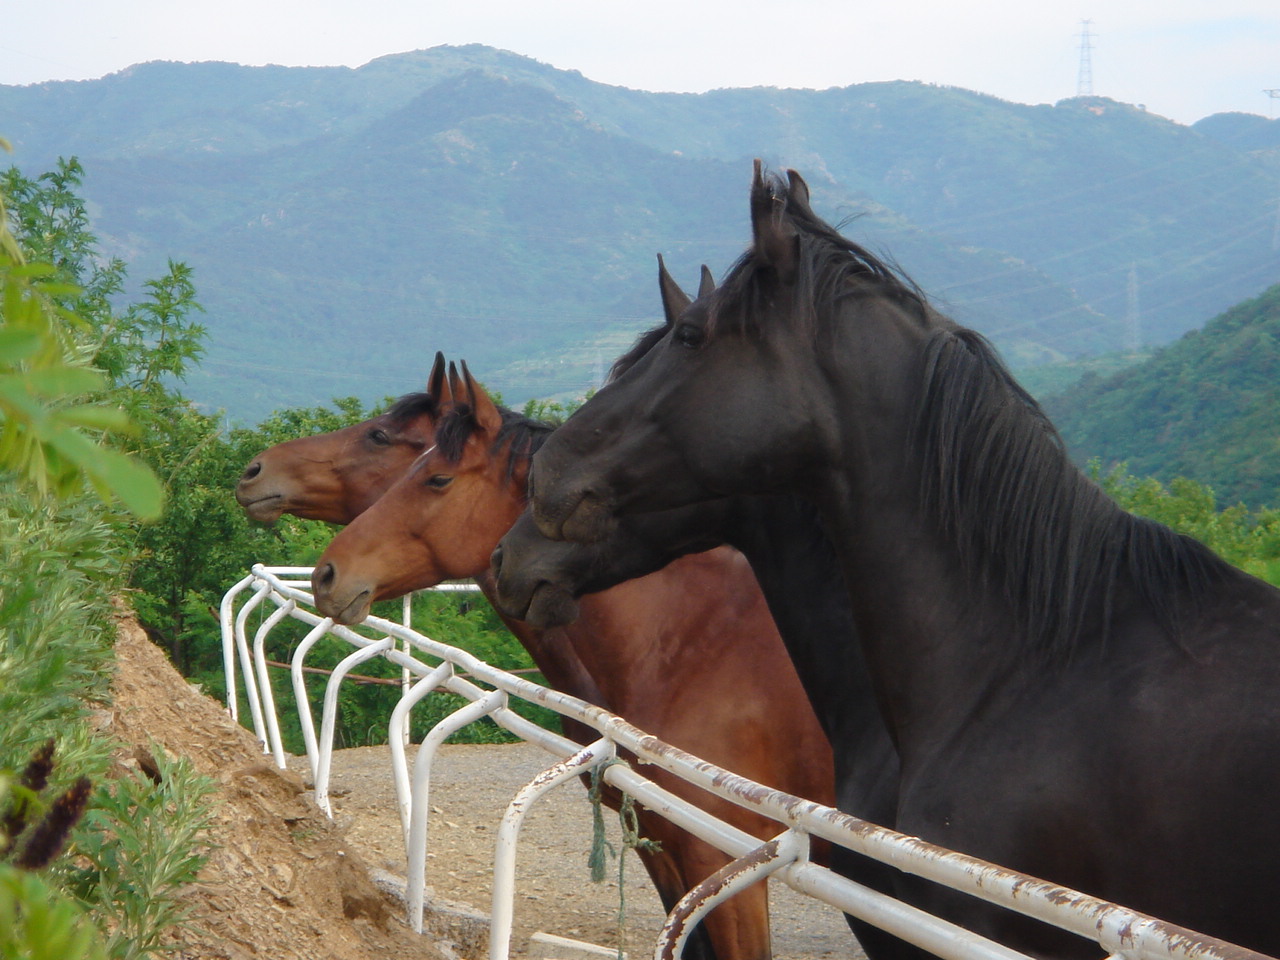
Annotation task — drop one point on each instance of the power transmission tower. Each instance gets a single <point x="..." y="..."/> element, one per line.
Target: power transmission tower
<point x="1274" y="94"/>
<point x="1275" y="231"/>
<point x="1133" y="317"/>
<point x="1084" y="78"/>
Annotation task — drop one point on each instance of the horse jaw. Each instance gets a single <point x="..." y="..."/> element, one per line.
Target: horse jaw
<point x="265" y="508"/>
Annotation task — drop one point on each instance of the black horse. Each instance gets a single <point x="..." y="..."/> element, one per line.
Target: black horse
<point x="538" y="581"/>
<point x="1074" y="692"/>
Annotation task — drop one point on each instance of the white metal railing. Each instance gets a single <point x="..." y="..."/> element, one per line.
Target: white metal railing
<point x="1120" y="932"/>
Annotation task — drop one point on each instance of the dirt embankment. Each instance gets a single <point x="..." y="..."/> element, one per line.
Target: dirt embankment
<point x="286" y="882"/>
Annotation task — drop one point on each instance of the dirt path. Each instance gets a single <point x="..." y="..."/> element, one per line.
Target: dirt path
<point x="470" y="789"/>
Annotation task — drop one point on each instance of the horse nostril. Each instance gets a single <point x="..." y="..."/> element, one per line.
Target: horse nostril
<point x="495" y="560"/>
<point x="251" y="471"/>
<point x="322" y="577"/>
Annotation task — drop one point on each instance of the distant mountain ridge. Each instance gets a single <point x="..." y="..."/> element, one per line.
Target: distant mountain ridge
<point x="344" y="224"/>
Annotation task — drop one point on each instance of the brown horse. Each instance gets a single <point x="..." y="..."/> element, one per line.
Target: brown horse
<point x="688" y="654"/>
<point x="336" y="476"/>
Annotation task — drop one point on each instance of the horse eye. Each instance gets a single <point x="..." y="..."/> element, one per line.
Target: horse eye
<point x="439" y="481"/>
<point x="380" y="438"/>
<point x="689" y="335"/>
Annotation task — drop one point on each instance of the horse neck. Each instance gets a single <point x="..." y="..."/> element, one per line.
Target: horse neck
<point x="558" y="661"/>
<point x="558" y="658"/>
<point x="794" y="560"/>
<point x="928" y="629"/>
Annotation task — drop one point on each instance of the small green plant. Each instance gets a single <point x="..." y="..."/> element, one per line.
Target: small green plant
<point x="142" y="841"/>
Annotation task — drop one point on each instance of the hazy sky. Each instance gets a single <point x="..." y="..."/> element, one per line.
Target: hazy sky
<point x="1184" y="59"/>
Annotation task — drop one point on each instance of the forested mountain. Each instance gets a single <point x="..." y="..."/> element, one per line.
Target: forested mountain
<point x="1206" y="407"/>
<point x="345" y="224"/>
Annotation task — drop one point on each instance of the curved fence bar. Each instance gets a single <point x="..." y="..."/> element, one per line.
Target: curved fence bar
<point x="246" y="659"/>
<point x="264" y="682"/>
<point x="787" y="848"/>
<point x="1121" y="934"/>
<point x="226" y="619"/>
<point x="484" y="706"/>
<point x="303" y="701"/>
<point x="502" y="915"/>
<point x="399" y="722"/>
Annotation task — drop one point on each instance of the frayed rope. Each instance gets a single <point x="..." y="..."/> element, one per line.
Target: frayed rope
<point x="602" y="849"/>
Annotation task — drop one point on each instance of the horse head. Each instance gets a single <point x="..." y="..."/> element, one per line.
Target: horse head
<point x="442" y="519"/>
<point x="335" y="476"/>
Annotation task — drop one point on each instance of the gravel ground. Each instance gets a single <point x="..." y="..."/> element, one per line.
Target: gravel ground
<point x="471" y="786"/>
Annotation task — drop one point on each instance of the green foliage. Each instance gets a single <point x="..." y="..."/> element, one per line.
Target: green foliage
<point x="554" y="412"/>
<point x="155" y="339"/>
<point x="61" y="565"/>
<point x="39" y="923"/>
<point x="56" y="631"/>
<point x="45" y="379"/>
<point x="142" y="842"/>
<point x="1248" y="539"/>
<point x="64" y="558"/>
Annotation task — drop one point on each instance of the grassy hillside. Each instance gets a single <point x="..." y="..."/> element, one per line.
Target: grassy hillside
<point x="1206" y="407"/>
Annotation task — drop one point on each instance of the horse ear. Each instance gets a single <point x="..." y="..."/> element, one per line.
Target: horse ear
<point x="775" y="238"/>
<point x="488" y="416"/>
<point x="674" y="300"/>
<point x="450" y="390"/>
<point x="799" y="191"/>
<point x="435" y="382"/>
<point x="708" y="284"/>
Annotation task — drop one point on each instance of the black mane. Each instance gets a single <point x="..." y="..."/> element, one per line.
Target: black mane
<point x="644" y="343"/>
<point x="520" y="435"/>
<point x="411" y="406"/>
<point x="995" y="474"/>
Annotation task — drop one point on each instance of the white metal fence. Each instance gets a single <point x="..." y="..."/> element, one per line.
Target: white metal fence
<point x="427" y="665"/>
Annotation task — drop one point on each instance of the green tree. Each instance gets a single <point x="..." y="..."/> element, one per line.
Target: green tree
<point x="48" y="424"/>
<point x="64" y="558"/>
<point x="1248" y="539"/>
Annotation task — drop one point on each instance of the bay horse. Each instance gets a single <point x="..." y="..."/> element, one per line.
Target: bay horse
<point x="336" y="476"/>
<point x="1074" y="692"/>
<point x="614" y="657"/>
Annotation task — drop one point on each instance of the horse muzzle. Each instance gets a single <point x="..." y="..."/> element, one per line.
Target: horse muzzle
<point x="344" y="600"/>
<point x="257" y="495"/>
